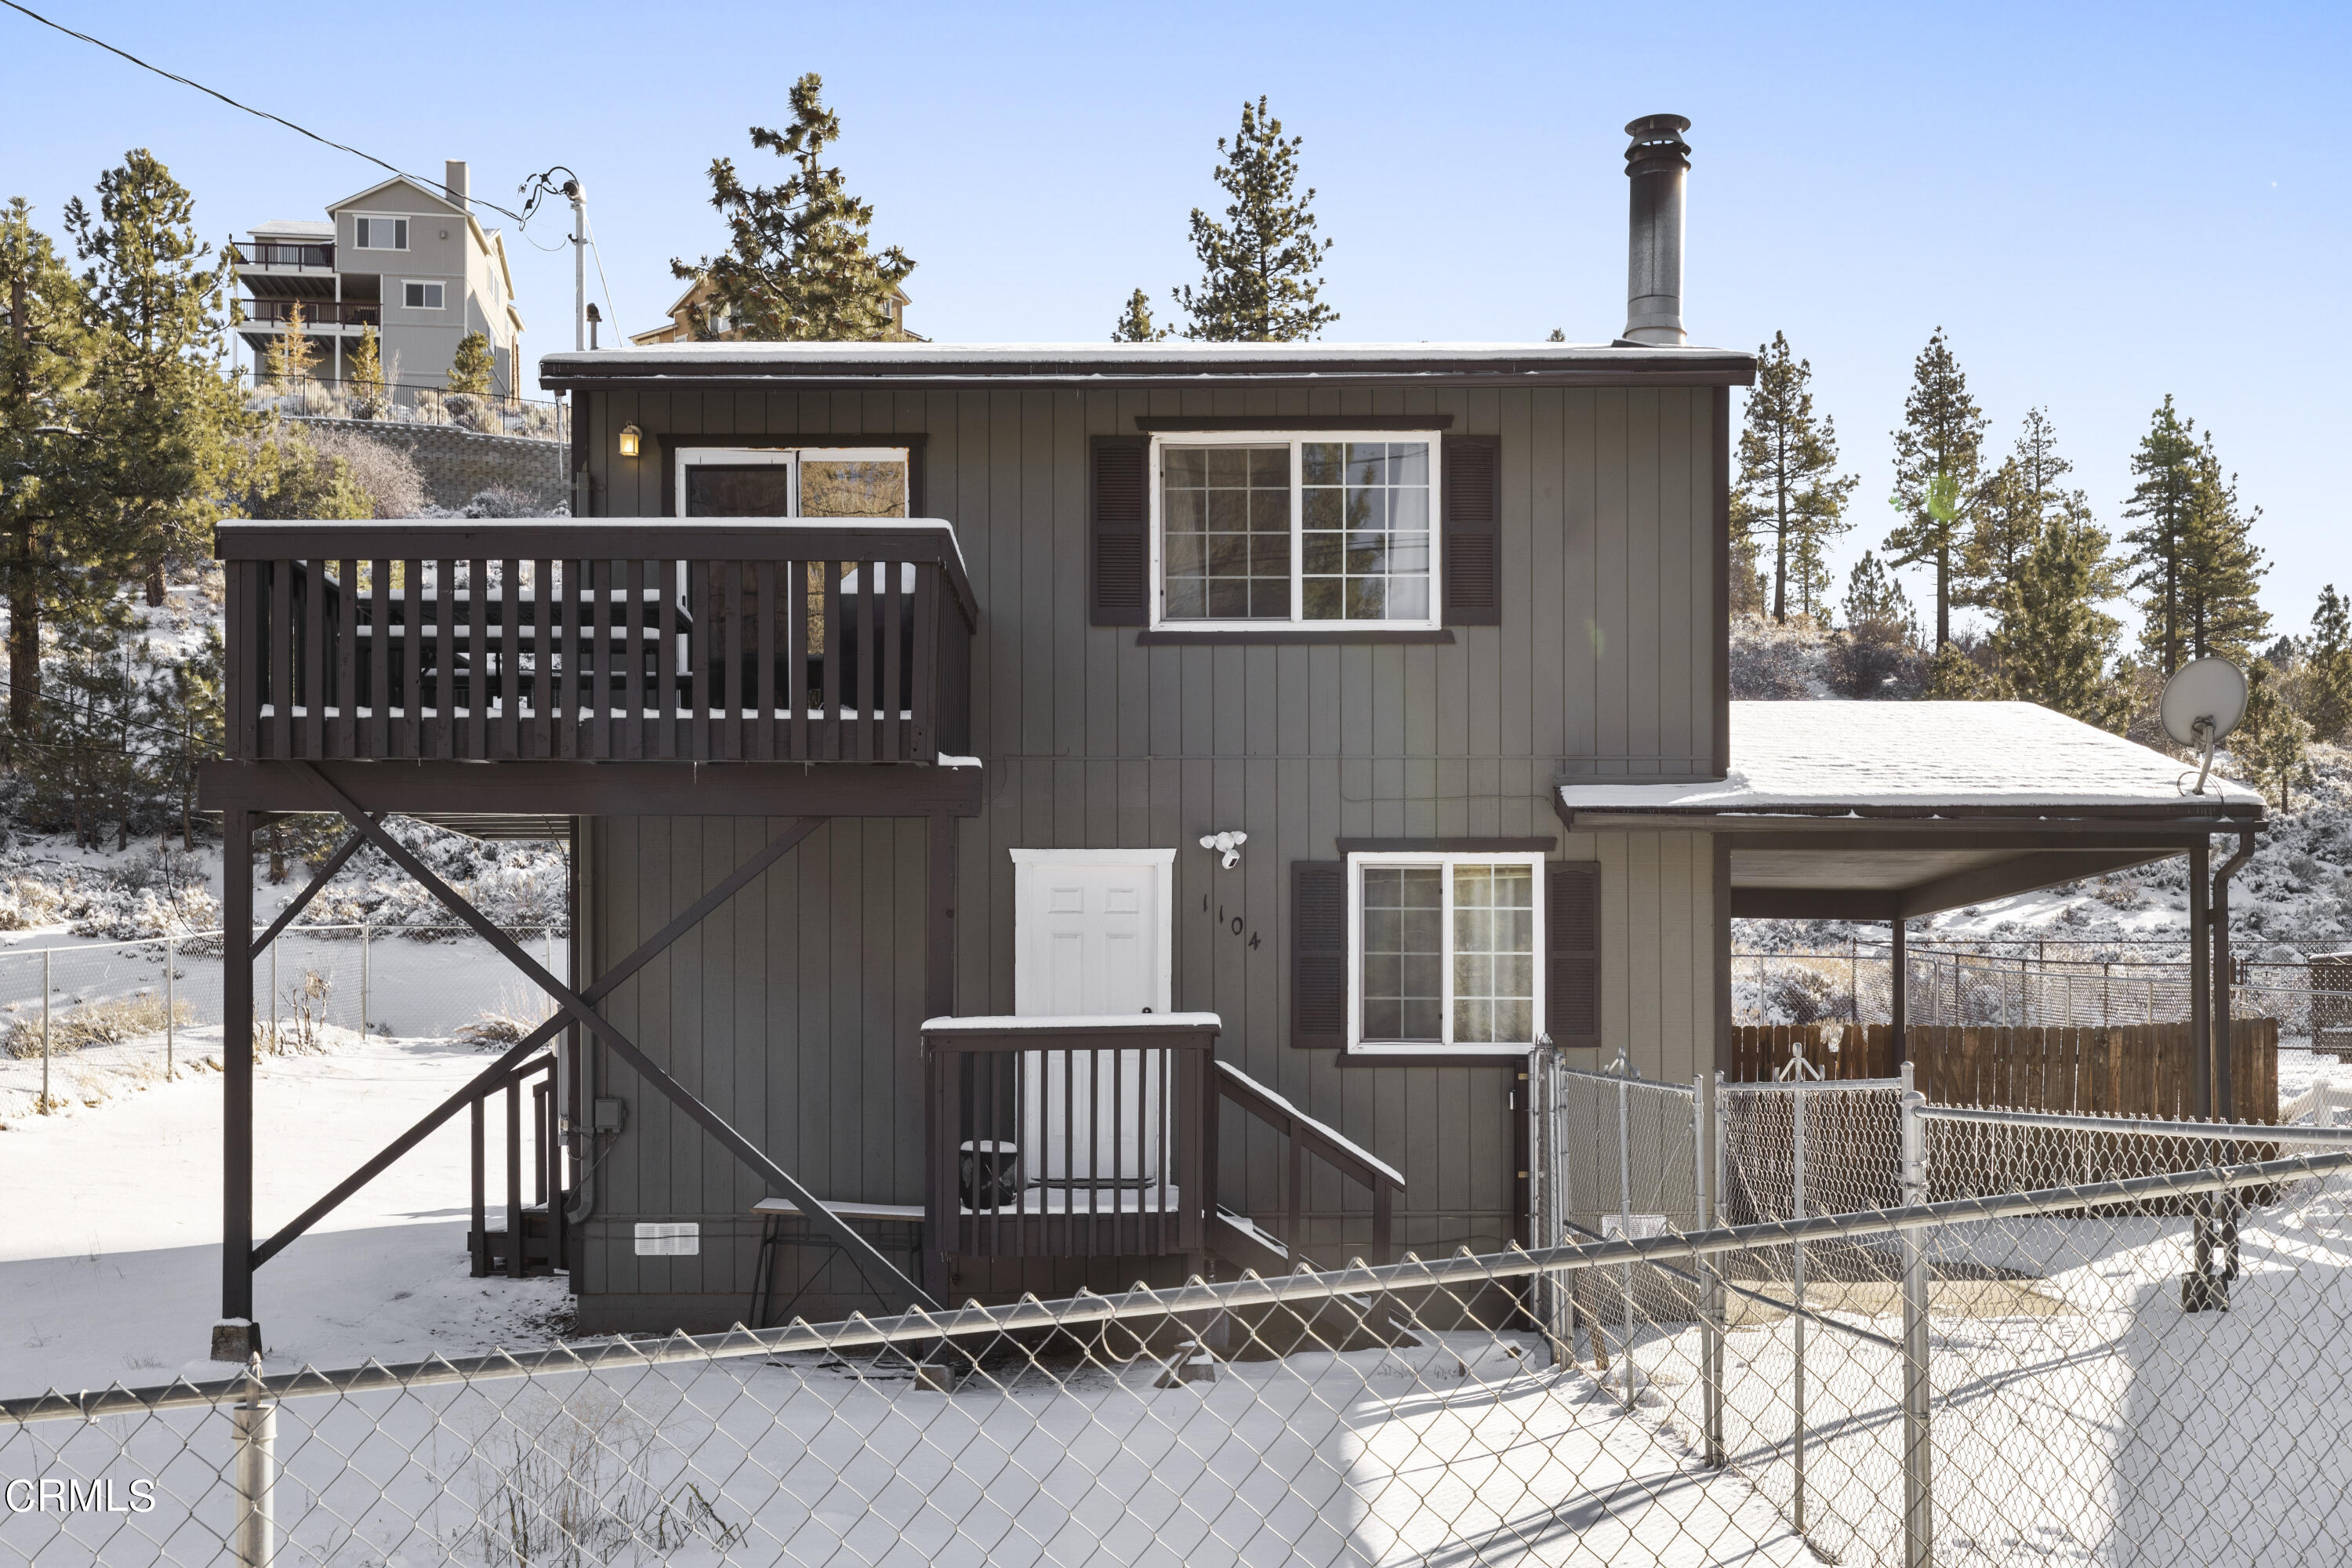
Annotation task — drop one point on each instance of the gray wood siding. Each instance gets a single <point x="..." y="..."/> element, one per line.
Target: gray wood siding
<point x="795" y="1008"/>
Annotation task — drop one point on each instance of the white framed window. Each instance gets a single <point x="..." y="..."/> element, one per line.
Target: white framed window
<point x="418" y="295"/>
<point x="1444" y="952"/>
<point x="380" y="232"/>
<point x="1332" y="529"/>
<point x="792" y="481"/>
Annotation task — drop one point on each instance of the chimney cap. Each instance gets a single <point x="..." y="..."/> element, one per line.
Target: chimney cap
<point x="1657" y="144"/>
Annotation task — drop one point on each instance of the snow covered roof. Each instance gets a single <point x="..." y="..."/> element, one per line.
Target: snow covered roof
<point x="295" y="228"/>
<point x="1904" y="758"/>
<point x="1175" y="357"/>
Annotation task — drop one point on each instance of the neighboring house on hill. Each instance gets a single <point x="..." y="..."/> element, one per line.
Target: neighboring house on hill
<point x="954" y="656"/>
<point x="679" y="328"/>
<point x="409" y="261"/>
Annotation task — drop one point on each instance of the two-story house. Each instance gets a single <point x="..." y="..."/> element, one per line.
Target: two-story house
<point x="1098" y="812"/>
<point x="412" y="262"/>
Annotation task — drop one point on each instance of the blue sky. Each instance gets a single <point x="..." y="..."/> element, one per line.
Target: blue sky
<point x="2100" y="204"/>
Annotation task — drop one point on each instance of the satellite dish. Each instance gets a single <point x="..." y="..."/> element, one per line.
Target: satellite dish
<point x="2202" y="703"/>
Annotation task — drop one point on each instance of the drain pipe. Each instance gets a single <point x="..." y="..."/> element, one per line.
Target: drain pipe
<point x="2225" y="1104"/>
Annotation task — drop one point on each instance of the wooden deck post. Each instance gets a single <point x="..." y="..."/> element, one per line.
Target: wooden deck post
<point x="236" y="1090"/>
<point x="2201" y="981"/>
<point x="1898" y="1008"/>
<point x="939" y="1002"/>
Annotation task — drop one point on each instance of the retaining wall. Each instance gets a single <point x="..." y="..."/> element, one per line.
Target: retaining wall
<point x="457" y="464"/>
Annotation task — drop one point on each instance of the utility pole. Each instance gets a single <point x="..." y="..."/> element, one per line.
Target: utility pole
<point x="578" y="262"/>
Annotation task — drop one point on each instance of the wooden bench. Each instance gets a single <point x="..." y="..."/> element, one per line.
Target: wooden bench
<point x="773" y="1212"/>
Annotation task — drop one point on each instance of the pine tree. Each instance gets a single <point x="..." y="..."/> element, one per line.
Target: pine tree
<point x="469" y="369"/>
<point x="2053" y="643"/>
<point x="2013" y="513"/>
<point x="2221" y="566"/>
<point x="798" y="267"/>
<point x="1876" y="656"/>
<point x="44" y="360"/>
<point x="285" y="477"/>
<point x="164" y="421"/>
<point x="2328" y="685"/>
<point x="183" y="710"/>
<point x="292" y="355"/>
<point x="1135" y="322"/>
<point x="368" y="395"/>
<point x="1789" y="488"/>
<point x="2166" y="500"/>
<point x="1937" y="472"/>
<point x="1259" y="281"/>
<point x="2270" y="743"/>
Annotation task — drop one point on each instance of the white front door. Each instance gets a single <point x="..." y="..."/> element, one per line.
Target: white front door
<point x="1091" y="936"/>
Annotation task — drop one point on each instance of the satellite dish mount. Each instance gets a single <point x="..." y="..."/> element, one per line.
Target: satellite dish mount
<point x="2201" y="703"/>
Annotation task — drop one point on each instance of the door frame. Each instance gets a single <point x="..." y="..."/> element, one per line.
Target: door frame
<point x="1027" y="864"/>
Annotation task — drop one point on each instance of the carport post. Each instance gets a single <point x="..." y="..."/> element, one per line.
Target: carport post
<point x="1899" y="1002"/>
<point x="1918" y="1499"/>
<point x="236" y="1086"/>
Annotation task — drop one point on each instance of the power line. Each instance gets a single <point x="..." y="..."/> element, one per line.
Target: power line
<point x="259" y="114"/>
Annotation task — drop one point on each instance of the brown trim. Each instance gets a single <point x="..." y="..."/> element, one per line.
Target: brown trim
<point x="1830" y="814"/>
<point x="664" y="444"/>
<point x="1434" y="1060"/>
<point x="1276" y="424"/>
<point x="1721" y="738"/>
<point x="1447" y="845"/>
<point x="599" y="789"/>
<point x="1289" y="636"/>
<point x="1997" y="832"/>
<point x="2006" y="879"/>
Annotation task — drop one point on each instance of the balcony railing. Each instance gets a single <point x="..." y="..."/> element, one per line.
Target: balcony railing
<point x="316" y="312"/>
<point x="270" y="253"/>
<point x="774" y="640"/>
<point x="1072" y="1136"/>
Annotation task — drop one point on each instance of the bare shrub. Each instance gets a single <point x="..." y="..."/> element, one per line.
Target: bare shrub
<point x="384" y="471"/>
<point x="569" y="1483"/>
<point x="26" y="903"/>
<point x="500" y="501"/>
<point x="92" y="1024"/>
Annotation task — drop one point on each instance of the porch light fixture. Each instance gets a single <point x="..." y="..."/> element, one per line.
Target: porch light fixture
<point x="1228" y="844"/>
<point x="630" y="437"/>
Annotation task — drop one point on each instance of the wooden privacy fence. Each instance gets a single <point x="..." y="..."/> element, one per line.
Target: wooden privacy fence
<point x="2124" y="1070"/>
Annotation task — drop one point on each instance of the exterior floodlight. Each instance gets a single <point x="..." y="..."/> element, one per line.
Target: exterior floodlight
<point x="1228" y="844"/>
<point x="630" y="436"/>
<point x="2202" y="703"/>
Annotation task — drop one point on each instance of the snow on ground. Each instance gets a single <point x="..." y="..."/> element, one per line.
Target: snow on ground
<point x="109" y="1264"/>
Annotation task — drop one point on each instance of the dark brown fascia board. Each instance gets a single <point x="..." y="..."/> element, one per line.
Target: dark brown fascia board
<point x="1542" y="846"/>
<point x="1178" y="424"/>
<point x="1467" y="379"/>
<point x="546" y="789"/>
<point x="2148" y="825"/>
<point x="1600" y="367"/>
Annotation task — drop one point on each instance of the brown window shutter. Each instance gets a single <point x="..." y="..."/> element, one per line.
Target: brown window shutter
<point x="1573" y="953"/>
<point x="1121" y="518"/>
<point x="1318" y="954"/>
<point x="1473" y="565"/>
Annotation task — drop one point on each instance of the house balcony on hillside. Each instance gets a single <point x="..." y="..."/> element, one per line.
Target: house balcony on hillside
<point x="318" y="315"/>
<point x="283" y="256"/>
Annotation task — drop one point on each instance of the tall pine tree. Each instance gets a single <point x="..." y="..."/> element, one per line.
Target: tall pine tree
<point x="799" y="265"/>
<point x="165" y="422"/>
<point x="1259" y="278"/>
<point x="2013" y="513"/>
<point x="44" y="359"/>
<point x="2221" y="567"/>
<point x="1789" y="489"/>
<point x="2270" y="743"/>
<point x="2327" y="683"/>
<point x="1938" y="480"/>
<point x="2165" y="501"/>
<point x="2054" y="642"/>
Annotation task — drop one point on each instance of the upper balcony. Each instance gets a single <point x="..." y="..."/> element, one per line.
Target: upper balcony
<point x="784" y="640"/>
<point x="279" y="256"/>
<point x="318" y="315"/>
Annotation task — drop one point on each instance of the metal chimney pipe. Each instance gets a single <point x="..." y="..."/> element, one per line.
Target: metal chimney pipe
<point x="1656" y="167"/>
<point x="453" y="177"/>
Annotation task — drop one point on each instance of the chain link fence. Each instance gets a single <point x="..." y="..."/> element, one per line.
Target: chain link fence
<point x="81" y="1024"/>
<point x="2141" y="1369"/>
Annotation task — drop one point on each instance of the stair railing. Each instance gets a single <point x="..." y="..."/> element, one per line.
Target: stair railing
<point x="1306" y="1136"/>
<point x="515" y="1250"/>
